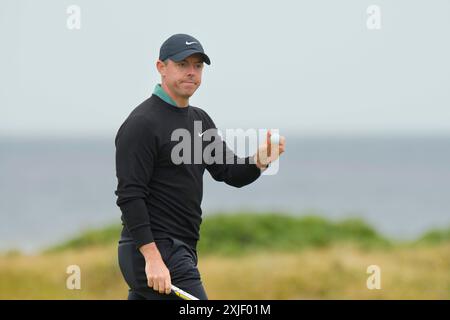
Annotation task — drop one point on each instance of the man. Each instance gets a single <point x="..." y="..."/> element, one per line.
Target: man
<point x="160" y="198"/>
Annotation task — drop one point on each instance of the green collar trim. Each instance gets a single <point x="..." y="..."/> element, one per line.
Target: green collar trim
<point x="159" y="91"/>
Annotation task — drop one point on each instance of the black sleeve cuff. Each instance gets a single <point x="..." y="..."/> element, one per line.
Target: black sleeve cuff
<point x="142" y="235"/>
<point x="137" y="221"/>
<point x="244" y="174"/>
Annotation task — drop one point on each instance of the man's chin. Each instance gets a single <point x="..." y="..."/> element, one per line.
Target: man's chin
<point x="188" y="93"/>
<point x="188" y="88"/>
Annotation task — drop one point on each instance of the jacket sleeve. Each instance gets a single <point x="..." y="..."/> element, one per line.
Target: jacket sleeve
<point x="135" y="156"/>
<point x="228" y="167"/>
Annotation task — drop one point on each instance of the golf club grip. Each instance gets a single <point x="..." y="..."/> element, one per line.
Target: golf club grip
<point x="183" y="294"/>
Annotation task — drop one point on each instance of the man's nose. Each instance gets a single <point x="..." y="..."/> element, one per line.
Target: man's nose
<point x="191" y="70"/>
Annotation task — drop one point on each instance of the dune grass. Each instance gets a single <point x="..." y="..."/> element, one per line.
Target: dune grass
<point x="241" y="233"/>
<point x="251" y="256"/>
<point x="435" y="237"/>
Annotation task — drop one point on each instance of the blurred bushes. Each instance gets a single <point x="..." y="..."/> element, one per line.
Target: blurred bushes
<point x="239" y="233"/>
<point x="435" y="237"/>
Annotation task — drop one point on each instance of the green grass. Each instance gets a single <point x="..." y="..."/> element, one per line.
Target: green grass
<point x="89" y="238"/>
<point x="239" y="233"/>
<point x="434" y="237"/>
<point x="286" y="257"/>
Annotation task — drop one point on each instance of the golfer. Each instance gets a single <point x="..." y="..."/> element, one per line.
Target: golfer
<point x="159" y="197"/>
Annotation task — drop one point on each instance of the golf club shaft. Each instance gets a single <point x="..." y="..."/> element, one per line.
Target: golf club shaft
<point x="183" y="294"/>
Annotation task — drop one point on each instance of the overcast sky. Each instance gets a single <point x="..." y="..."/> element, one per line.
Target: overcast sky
<point x="301" y="66"/>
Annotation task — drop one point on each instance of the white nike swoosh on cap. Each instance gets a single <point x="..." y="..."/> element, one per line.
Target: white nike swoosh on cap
<point x="189" y="43"/>
<point x="200" y="134"/>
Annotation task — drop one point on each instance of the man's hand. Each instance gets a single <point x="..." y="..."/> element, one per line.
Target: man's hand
<point x="158" y="276"/>
<point x="269" y="152"/>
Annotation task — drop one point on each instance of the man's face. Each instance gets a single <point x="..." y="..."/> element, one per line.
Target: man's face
<point x="182" y="77"/>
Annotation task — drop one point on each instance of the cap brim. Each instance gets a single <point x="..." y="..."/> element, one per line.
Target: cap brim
<point x="186" y="53"/>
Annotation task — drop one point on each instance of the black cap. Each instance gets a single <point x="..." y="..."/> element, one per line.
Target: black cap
<point x="179" y="46"/>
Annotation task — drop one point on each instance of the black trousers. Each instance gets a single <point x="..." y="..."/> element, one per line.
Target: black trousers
<point x="180" y="258"/>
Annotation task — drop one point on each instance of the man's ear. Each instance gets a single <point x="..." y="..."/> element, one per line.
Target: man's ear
<point x="161" y="66"/>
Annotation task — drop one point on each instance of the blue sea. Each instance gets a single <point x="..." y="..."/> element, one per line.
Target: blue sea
<point x="51" y="189"/>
